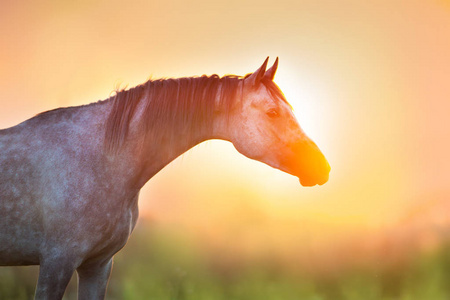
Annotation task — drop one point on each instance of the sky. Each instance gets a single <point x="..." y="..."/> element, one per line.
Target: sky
<point x="368" y="80"/>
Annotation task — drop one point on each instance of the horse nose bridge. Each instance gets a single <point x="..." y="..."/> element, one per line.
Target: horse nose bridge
<point x="303" y="144"/>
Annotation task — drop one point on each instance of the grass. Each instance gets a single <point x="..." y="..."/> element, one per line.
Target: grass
<point x="155" y="266"/>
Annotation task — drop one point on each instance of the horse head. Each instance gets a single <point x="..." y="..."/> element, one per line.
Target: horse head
<point x="263" y="127"/>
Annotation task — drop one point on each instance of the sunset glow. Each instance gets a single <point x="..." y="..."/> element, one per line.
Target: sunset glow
<point x="369" y="83"/>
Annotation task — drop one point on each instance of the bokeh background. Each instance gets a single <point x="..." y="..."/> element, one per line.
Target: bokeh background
<point x="370" y="84"/>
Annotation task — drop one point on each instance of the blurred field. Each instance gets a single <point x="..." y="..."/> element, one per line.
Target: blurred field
<point x="160" y="264"/>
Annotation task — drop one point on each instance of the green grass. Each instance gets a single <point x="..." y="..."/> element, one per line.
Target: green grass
<point x="155" y="265"/>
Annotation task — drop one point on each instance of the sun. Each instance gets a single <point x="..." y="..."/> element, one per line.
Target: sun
<point x="310" y="101"/>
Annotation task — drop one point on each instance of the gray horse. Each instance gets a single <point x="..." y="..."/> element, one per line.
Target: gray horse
<point x="70" y="177"/>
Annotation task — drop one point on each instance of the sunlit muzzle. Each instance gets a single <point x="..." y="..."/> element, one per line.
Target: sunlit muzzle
<point x="309" y="164"/>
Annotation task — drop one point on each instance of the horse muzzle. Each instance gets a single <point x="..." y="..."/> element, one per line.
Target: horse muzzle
<point x="320" y="180"/>
<point x="309" y="164"/>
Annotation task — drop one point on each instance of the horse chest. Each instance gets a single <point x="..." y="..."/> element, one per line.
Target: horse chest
<point x="107" y="236"/>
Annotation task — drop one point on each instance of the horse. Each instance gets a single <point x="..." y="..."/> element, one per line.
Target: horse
<point x="70" y="177"/>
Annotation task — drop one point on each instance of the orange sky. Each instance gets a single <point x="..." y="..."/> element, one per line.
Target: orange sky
<point x="369" y="82"/>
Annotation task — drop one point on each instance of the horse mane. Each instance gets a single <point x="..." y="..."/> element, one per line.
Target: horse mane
<point x="173" y="106"/>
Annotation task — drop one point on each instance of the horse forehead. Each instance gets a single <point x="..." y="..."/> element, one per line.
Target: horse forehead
<point x="260" y="96"/>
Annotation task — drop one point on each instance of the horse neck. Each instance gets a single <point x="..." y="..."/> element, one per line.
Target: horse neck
<point x="156" y="122"/>
<point x="154" y="152"/>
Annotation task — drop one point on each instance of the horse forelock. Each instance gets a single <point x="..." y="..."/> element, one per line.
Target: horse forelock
<point x="172" y="106"/>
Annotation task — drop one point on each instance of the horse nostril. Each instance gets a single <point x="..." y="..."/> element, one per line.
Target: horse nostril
<point x="314" y="169"/>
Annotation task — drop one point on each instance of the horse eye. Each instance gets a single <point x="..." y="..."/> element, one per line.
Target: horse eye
<point x="272" y="113"/>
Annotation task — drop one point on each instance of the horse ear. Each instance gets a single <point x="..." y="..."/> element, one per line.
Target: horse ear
<point x="256" y="76"/>
<point x="271" y="72"/>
